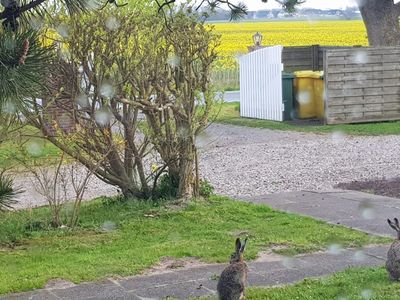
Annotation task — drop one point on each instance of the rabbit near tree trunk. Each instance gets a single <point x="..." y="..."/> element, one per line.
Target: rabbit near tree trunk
<point x="393" y="256"/>
<point x="233" y="279"/>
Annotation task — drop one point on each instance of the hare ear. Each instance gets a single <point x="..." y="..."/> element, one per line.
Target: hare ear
<point x="396" y="221"/>
<point x="391" y="224"/>
<point x="238" y="245"/>
<point x="243" y="246"/>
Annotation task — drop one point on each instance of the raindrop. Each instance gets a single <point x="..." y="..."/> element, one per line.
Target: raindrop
<point x="359" y="256"/>
<point x="34" y="148"/>
<point x="361" y="78"/>
<point x="338" y="136"/>
<point x="63" y="30"/>
<point x="239" y="55"/>
<point x="288" y="262"/>
<point x="82" y="100"/>
<point x="9" y="44"/>
<point x="335" y="249"/>
<point x="36" y="23"/>
<point x="108" y="226"/>
<point x="202" y="140"/>
<point x="9" y="108"/>
<point x="367" y="294"/>
<point x="93" y="4"/>
<point x="304" y="97"/>
<point x="361" y="57"/>
<point x="107" y="90"/>
<point x="367" y="210"/>
<point x="103" y="117"/>
<point x="175" y="237"/>
<point x="183" y="132"/>
<point x="174" y="61"/>
<point x="112" y="23"/>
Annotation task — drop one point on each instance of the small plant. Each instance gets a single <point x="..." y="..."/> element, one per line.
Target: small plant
<point x="206" y="189"/>
<point x="167" y="188"/>
<point x="7" y="192"/>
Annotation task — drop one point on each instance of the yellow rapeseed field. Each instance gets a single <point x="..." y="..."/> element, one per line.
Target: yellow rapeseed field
<point x="235" y="37"/>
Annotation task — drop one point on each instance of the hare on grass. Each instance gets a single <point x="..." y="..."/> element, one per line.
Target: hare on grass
<point x="233" y="279"/>
<point x="393" y="256"/>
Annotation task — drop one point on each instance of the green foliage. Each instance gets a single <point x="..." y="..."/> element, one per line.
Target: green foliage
<point x="23" y="66"/>
<point x="167" y="187"/>
<point x="7" y="192"/>
<point x="230" y="114"/>
<point x="123" y="238"/>
<point x="206" y="189"/>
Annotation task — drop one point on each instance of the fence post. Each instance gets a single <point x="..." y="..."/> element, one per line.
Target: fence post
<point x="315" y="57"/>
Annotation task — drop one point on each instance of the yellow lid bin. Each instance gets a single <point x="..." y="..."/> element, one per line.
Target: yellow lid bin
<point x="309" y="94"/>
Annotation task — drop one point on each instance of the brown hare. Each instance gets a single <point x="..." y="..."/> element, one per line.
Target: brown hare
<point x="233" y="279"/>
<point x="393" y="256"/>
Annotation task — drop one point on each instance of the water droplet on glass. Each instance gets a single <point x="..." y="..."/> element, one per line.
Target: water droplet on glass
<point x="202" y="140"/>
<point x="36" y="23"/>
<point x="361" y="57"/>
<point x="103" y="117"/>
<point x="304" y="97"/>
<point x="183" y="132"/>
<point x="108" y="226"/>
<point x="82" y="100"/>
<point x="359" y="256"/>
<point x="112" y="23"/>
<point x="288" y="262"/>
<point x="335" y="249"/>
<point x="107" y="90"/>
<point x="338" y="136"/>
<point x="9" y="108"/>
<point x="367" y="210"/>
<point x="9" y="44"/>
<point x="93" y="4"/>
<point x="63" y="30"/>
<point x="367" y="294"/>
<point x="174" y="61"/>
<point x="175" y="236"/>
<point x="34" y="148"/>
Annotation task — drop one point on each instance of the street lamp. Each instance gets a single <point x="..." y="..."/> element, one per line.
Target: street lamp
<point x="257" y="38"/>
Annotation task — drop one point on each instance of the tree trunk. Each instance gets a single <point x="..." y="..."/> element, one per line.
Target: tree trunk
<point x="186" y="172"/>
<point x="381" y="18"/>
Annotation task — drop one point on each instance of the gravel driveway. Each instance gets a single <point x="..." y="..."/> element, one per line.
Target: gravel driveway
<point x="248" y="161"/>
<point x="241" y="161"/>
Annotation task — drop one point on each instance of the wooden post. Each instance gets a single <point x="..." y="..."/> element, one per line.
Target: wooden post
<point x="315" y="57"/>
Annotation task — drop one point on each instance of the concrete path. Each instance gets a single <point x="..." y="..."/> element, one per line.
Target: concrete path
<point x="202" y="281"/>
<point x="365" y="212"/>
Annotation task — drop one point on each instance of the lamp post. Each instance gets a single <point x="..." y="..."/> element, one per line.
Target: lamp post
<point x="257" y="39"/>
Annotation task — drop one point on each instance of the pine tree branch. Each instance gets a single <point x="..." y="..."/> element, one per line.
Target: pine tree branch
<point x="15" y="13"/>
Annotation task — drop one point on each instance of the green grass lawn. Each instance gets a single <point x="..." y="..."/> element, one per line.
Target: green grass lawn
<point x="352" y="284"/>
<point x="138" y="234"/>
<point x="229" y="114"/>
<point x="366" y="283"/>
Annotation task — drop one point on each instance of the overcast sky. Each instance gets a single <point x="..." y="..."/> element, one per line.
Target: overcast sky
<point x="257" y="4"/>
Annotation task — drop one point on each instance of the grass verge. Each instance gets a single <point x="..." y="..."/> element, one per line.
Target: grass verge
<point x="366" y="283"/>
<point x="352" y="284"/>
<point x="229" y="114"/>
<point x="125" y="238"/>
